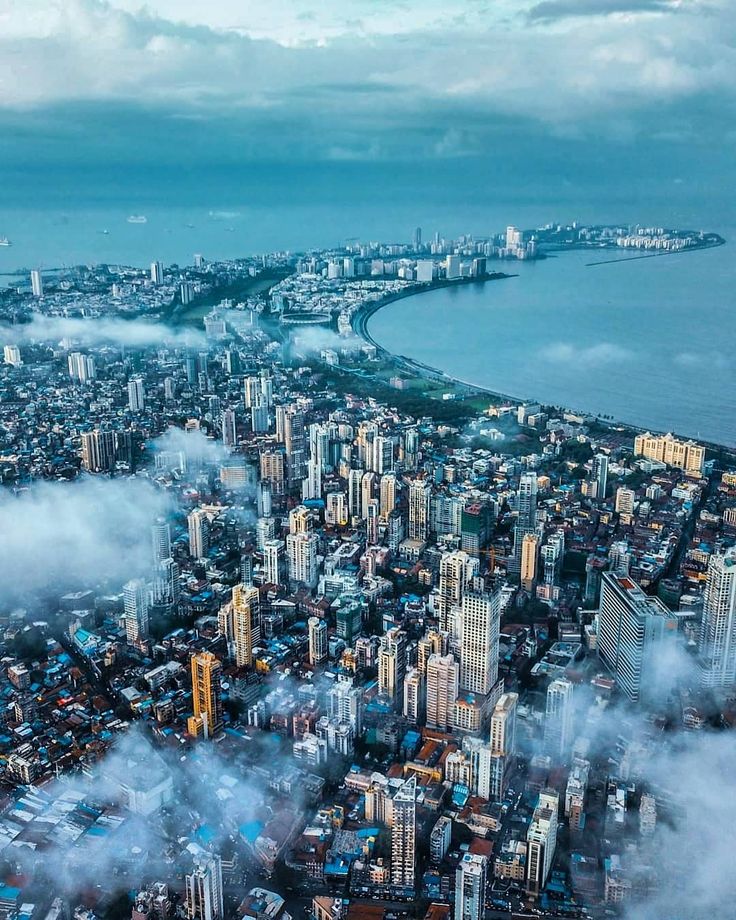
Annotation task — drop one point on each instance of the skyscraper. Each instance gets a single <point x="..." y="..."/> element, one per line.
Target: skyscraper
<point x="541" y="841"/>
<point x="160" y="541"/>
<point x="136" y="395"/>
<point x="199" y="534"/>
<point x="403" y="836"/>
<point x="157" y="272"/>
<point x="206" y="696"/>
<point x="81" y="367"/>
<point x="135" y="605"/>
<point x="717" y="645"/>
<point x="204" y="889"/>
<point x="420" y="493"/>
<point x="526" y="521"/>
<point x="443" y="681"/>
<point x="273" y="556"/>
<point x="480" y="621"/>
<point x="470" y="887"/>
<point x="503" y="743"/>
<point x="36" y="283"/>
<point x="632" y="631"/>
<point x="599" y="475"/>
<point x="229" y="436"/>
<point x="301" y="551"/>
<point x="456" y="573"/>
<point x="246" y="623"/>
<point x="558" y="719"/>
<point x="392" y="663"/>
<point x="413" y="695"/>
<point x="98" y="451"/>
<point x="317" y="640"/>
<point x="529" y="548"/>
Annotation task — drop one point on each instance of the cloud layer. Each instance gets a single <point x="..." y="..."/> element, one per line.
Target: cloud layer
<point x="92" y="332"/>
<point x="435" y="79"/>
<point x="59" y="536"/>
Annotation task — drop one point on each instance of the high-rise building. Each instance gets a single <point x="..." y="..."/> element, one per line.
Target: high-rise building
<point x="558" y="719"/>
<point x="526" y="521"/>
<point x="392" y="664"/>
<point x="98" y="451"/>
<point x="480" y="622"/>
<point x="470" y="887"/>
<point x="229" y="435"/>
<point x="135" y="605"/>
<point x="160" y="541"/>
<point x="199" y="534"/>
<point x="403" y="836"/>
<point x="529" y="547"/>
<point x="204" y="889"/>
<point x="157" y="272"/>
<point x="136" y="395"/>
<point x="685" y="455"/>
<point x="413" y="696"/>
<point x="273" y="561"/>
<point x="541" y="841"/>
<point x="717" y="645"/>
<point x="206" y="695"/>
<point x="317" y="640"/>
<point x="599" y="475"/>
<point x="443" y="683"/>
<point x="345" y="704"/>
<point x="166" y="590"/>
<point x="420" y="494"/>
<point x="502" y="744"/>
<point x="301" y="552"/>
<point x="431" y="643"/>
<point x="11" y="356"/>
<point x="246" y="623"/>
<point x="81" y="367"/>
<point x="633" y="629"/>
<point x="457" y="570"/>
<point x="553" y="554"/>
<point x="36" y="283"/>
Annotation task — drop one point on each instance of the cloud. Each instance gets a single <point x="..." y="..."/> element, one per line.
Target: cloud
<point x="195" y="445"/>
<point x="415" y="80"/>
<point x="311" y="340"/>
<point x="550" y="10"/>
<point x="59" y="536"/>
<point x="601" y="355"/>
<point x="692" y="359"/>
<point x="92" y="332"/>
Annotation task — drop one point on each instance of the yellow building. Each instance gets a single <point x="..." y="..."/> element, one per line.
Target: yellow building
<point x="206" y="696"/>
<point x="685" y="455"/>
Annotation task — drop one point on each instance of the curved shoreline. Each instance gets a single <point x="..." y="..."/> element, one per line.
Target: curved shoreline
<point x="360" y="319"/>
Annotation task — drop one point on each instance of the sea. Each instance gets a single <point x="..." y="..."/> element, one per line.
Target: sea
<point x="651" y="342"/>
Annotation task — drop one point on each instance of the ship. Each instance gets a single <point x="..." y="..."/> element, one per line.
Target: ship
<point x="137" y="219"/>
<point x="4" y="241"/>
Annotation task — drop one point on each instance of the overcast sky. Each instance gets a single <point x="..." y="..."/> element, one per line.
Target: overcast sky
<point x="375" y="81"/>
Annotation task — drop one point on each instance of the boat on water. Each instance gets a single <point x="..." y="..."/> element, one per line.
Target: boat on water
<point x="137" y="219"/>
<point x="4" y="241"/>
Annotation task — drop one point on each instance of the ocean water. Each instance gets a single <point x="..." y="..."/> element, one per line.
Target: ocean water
<point x="651" y="341"/>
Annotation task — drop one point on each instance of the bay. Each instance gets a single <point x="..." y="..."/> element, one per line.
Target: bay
<point x="650" y="341"/>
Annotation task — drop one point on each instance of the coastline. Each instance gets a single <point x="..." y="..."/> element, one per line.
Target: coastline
<point x="362" y="316"/>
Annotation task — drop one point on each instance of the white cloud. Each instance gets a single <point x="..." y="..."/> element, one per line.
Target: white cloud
<point x="600" y="355"/>
<point x="90" y="332"/>
<point x="62" y="535"/>
<point x="402" y="63"/>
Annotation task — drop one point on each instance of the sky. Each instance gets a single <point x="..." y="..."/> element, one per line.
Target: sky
<point x="517" y="88"/>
